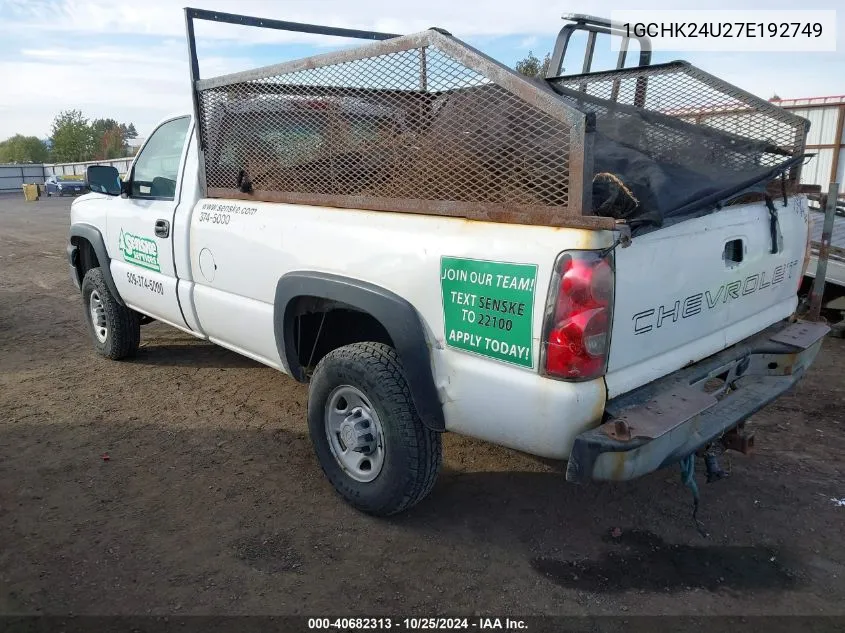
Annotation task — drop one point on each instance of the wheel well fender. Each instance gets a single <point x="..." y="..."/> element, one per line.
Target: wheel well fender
<point x="93" y="236"/>
<point x="398" y="317"/>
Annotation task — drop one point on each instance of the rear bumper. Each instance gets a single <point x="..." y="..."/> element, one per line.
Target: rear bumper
<point x="660" y="423"/>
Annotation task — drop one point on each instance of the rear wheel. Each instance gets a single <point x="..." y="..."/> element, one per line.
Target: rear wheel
<point x="115" y="329"/>
<point x="366" y="433"/>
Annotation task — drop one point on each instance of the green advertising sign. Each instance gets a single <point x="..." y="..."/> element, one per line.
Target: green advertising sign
<point x="141" y="251"/>
<point x="488" y="308"/>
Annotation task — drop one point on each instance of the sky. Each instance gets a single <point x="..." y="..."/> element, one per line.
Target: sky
<point x="128" y="60"/>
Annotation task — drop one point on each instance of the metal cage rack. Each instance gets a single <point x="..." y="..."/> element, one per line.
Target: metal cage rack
<point x="424" y="123"/>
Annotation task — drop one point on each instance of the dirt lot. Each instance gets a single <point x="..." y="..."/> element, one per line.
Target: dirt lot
<point x="212" y="501"/>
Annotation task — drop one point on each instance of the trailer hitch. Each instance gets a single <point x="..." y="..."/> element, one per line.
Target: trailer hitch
<point x="714" y="470"/>
<point x="687" y="465"/>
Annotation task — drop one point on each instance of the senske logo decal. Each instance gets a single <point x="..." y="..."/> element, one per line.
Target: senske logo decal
<point x="140" y="251"/>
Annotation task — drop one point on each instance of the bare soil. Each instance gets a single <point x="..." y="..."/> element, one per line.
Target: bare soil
<point x="211" y="501"/>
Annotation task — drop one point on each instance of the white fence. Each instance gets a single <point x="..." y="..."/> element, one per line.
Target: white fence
<point x="78" y="169"/>
<point x="13" y="176"/>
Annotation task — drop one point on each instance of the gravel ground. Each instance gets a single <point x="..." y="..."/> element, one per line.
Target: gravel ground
<point x="212" y="502"/>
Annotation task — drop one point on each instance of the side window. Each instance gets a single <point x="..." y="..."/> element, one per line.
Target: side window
<point x="294" y="139"/>
<point x="157" y="167"/>
<point x="286" y="140"/>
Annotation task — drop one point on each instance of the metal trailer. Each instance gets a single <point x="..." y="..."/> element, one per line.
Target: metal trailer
<point x="826" y="141"/>
<point x="828" y="260"/>
<point x="836" y="255"/>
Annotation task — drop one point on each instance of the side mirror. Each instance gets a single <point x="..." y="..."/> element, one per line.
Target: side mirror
<point x="103" y="179"/>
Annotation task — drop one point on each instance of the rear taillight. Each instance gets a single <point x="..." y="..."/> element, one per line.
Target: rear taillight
<point x="578" y="316"/>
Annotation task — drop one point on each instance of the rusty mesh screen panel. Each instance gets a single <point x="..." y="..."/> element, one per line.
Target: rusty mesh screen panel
<point x="407" y="129"/>
<point x="671" y="142"/>
<point x="684" y="103"/>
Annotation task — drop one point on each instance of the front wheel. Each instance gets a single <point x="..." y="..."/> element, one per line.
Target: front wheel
<point x="366" y="432"/>
<point x="115" y="329"/>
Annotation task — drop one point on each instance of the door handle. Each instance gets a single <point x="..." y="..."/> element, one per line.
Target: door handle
<point x="162" y="228"/>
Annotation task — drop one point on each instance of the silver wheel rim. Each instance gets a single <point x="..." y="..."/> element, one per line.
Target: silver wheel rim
<point x="354" y="433"/>
<point x="98" y="316"/>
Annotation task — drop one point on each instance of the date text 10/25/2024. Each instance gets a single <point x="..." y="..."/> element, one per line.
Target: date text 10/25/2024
<point x="417" y="624"/>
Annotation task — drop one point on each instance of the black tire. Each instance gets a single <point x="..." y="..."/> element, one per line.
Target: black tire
<point x="123" y="332"/>
<point x="412" y="452"/>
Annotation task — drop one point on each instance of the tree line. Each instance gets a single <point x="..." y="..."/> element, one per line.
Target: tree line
<point x="73" y="138"/>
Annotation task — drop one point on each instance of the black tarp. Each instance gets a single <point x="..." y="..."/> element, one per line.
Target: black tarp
<point x="654" y="170"/>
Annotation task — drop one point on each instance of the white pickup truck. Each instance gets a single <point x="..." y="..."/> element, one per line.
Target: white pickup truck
<point x="555" y="333"/>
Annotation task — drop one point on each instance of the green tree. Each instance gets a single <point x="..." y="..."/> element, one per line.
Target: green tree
<point x="111" y="144"/>
<point x="23" y="149"/>
<point x="532" y="66"/>
<point x="73" y="137"/>
<point x="128" y="131"/>
<point x="109" y="141"/>
<point x="101" y="126"/>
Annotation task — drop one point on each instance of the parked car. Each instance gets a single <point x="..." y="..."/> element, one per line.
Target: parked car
<point x="61" y="185"/>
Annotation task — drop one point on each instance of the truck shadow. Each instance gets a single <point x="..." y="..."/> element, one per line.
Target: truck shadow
<point x="639" y="559"/>
<point x="602" y="538"/>
<point x="192" y="354"/>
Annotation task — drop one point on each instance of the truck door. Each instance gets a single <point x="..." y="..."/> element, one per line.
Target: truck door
<point x="140" y="225"/>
